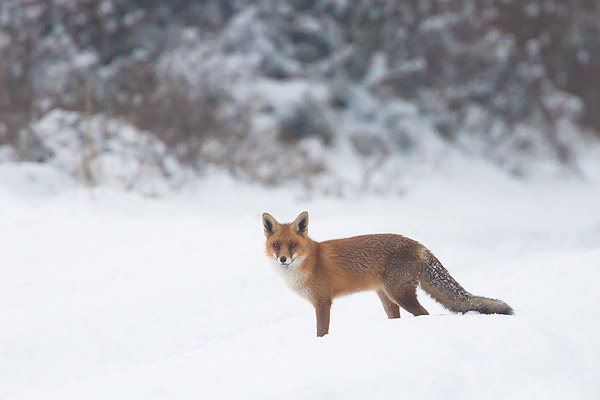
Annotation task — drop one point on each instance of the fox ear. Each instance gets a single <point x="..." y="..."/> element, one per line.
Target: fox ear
<point x="270" y="224"/>
<point x="300" y="224"/>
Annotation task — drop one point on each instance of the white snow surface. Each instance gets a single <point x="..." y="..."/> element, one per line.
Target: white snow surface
<point x="109" y="294"/>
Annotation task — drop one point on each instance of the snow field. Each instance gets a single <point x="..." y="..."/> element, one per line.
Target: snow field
<point x="108" y="294"/>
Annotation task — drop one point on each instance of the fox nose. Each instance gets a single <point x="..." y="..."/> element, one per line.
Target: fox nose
<point x="282" y="259"/>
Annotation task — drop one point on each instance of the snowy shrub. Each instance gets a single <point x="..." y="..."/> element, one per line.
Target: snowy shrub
<point x="96" y="149"/>
<point x="304" y="121"/>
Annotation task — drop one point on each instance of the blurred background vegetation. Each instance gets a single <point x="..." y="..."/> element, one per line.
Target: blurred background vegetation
<point x="266" y="89"/>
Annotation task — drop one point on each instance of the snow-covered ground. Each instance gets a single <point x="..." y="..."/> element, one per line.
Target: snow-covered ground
<point x="111" y="295"/>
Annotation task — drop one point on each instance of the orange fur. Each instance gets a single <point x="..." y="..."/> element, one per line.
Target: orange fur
<point x="392" y="265"/>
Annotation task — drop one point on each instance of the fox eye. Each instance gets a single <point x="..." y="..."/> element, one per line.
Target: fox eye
<point x="276" y="245"/>
<point x="292" y="245"/>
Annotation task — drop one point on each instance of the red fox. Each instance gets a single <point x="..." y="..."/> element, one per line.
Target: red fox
<point x="392" y="265"/>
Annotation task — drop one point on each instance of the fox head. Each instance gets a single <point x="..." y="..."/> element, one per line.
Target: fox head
<point x="286" y="243"/>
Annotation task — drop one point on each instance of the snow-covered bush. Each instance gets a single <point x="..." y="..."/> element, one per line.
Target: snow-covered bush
<point x="96" y="149"/>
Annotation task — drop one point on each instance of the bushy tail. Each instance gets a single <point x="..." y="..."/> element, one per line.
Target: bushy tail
<point x="438" y="283"/>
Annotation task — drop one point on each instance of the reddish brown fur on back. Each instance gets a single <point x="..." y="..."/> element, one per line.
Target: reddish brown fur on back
<point x="365" y="262"/>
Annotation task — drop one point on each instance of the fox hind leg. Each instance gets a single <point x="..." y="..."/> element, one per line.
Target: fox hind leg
<point x="406" y="297"/>
<point x="391" y="309"/>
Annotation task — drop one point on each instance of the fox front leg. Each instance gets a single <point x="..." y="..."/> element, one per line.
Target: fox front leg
<point x="323" y="309"/>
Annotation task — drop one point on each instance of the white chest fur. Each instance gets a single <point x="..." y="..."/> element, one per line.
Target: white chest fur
<point x="293" y="276"/>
